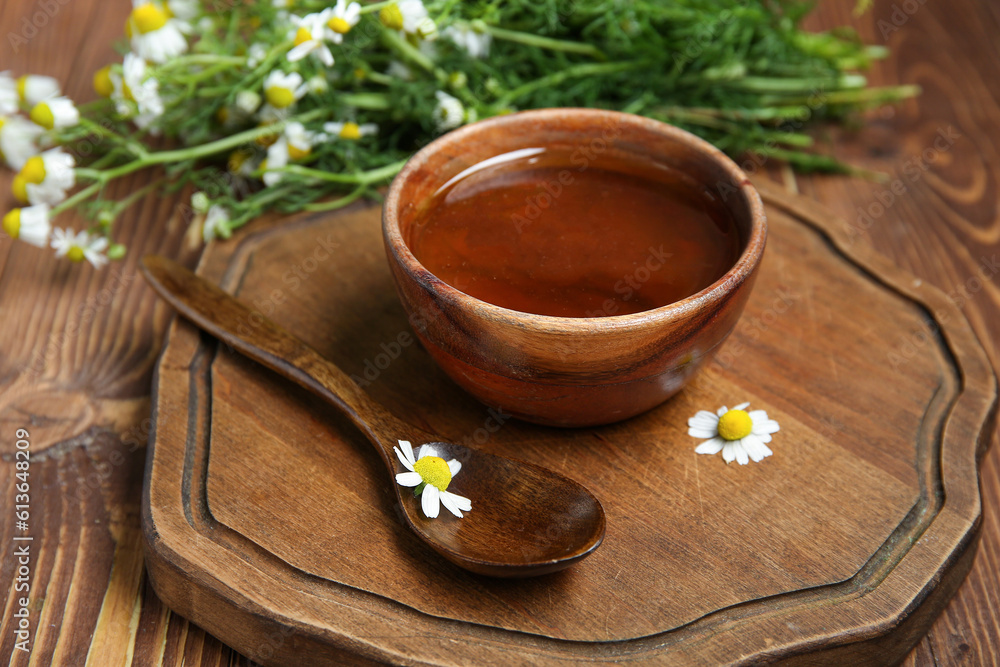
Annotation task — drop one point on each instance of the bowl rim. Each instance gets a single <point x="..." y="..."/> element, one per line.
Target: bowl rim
<point x="718" y="291"/>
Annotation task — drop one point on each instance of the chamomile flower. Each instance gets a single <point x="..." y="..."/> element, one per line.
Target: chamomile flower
<point x="256" y="54"/>
<point x="738" y="434"/>
<point x="55" y="112"/>
<point x="350" y="131"/>
<point x="342" y="18"/>
<point x="309" y="35"/>
<point x="399" y="71"/>
<point x="247" y="101"/>
<point x="135" y="87"/>
<point x="410" y="17"/>
<point x="283" y="90"/>
<point x="8" y="94"/>
<point x="295" y="143"/>
<point x="45" y="178"/>
<point x="155" y="36"/>
<point x="32" y="88"/>
<point x="431" y="475"/>
<point x="17" y="140"/>
<point x="183" y="10"/>
<point x="216" y="224"/>
<point x="449" y="112"/>
<point x="29" y="224"/>
<point x="80" y="246"/>
<point x="476" y="43"/>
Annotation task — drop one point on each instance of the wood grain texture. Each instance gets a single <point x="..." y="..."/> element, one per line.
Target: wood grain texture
<point x="91" y="398"/>
<point x="269" y="513"/>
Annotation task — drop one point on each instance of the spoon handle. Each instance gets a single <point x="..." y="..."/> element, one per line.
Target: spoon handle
<point x="262" y="340"/>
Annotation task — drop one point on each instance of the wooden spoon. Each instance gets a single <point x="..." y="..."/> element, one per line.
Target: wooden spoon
<point x="525" y="520"/>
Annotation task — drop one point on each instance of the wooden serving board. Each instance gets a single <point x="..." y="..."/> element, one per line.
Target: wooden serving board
<point x="270" y="522"/>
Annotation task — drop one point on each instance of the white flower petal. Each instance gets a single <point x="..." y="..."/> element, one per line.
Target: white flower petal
<point x="741" y="453"/>
<point x="713" y="446"/>
<point x="427" y="450"/>
<point x="703" y="432"/>
<point x="723" y="410"/>
<point x="742" y="406"/>
<point x="704" y="417"/>
<point x="407" y="451"/>
<point x="430" y="501"/>
<point x="409" y="478"/>
<point x="729" y="451"/>
<point x="455" y="503"/>
<point x="454" y="466"/>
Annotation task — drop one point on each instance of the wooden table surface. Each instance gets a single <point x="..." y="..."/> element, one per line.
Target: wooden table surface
<point x="77" y="346"/>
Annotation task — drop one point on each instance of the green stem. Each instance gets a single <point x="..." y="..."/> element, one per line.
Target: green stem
<point x="200" y="59"/>
<point x="376" y="6"/>
<point x="359" y="178"/>
<point x="529" y="39"/>
<point x="557" y="78"/>
<point x="406" y="50"/>
<point x="77" y="198"/>
<point x="340" y="202"/>
<point x="370" y="101"/>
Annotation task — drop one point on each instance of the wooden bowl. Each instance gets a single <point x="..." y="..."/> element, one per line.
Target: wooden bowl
<point x="565" y="371"/>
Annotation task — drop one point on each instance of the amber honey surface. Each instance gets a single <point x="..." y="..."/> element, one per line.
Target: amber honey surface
<point x="542" y="231"/>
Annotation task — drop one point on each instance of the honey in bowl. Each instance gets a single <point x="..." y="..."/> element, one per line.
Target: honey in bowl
<point x="547" y="232"/>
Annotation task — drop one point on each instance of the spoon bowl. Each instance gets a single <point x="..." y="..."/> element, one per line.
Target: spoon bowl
<point x="525" y="520"/>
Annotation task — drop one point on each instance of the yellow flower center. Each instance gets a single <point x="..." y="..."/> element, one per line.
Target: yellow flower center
<point x="434" y="471"/>
<point x="279" y="97"/>
<point x="302" y="35"/>
<point x="350" y="131"/>
<point x="32" y="172"/>
<point x="222" y="115"/>
<point x="298" y="153"/>
<point x="42" y="115"/>
<point x="22" y="84"/>
<point x="360" y="73"/>
<point x="391" y="17"/>
<point x="12" y="223"/>
<point x="338" y="24"/>
<point x="147" y="18"/>
<point x="102" y="81"/>
<point x="237" y="159"/>
<point x="75" y="254"/>
<point x="735" y="424"/>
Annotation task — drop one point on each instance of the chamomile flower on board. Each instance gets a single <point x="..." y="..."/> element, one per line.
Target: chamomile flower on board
<point x="449" y="112"/>
<point x="45" y="178"/>
<point x="17" y="140"/>
<point x="55" y="112"/>
<point x="309" y="35"/>
<point x="80" y="246"/>
<point x="431" y="475"/>
<point x="738" y="434"/>
<point x="30" y="224"/>
<point x="134" y="87"/>
<point x="216" y="223"/>
<point x="153" y="32"/>
<point x="342" y="18"/>
<point x="350" y="131"/>
<point x="466" y="37"/>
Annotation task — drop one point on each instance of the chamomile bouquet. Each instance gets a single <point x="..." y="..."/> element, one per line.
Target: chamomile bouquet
<point x="283" y="105"/>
